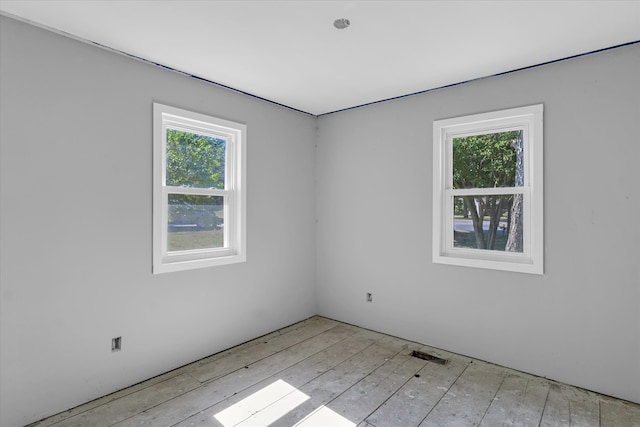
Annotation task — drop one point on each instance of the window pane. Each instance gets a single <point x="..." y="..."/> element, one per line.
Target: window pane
<point x="195" y="222"/>
<point x="488" y="222"/>
<point x="488" y="161"/>
<point x="195" y="160"/>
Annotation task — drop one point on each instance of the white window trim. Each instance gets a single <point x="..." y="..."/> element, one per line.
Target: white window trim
<point x="164" y="117"/>
<point x="530" y="119"/>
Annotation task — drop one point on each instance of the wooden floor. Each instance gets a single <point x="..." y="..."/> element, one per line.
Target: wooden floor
<point x="328" y="374"/>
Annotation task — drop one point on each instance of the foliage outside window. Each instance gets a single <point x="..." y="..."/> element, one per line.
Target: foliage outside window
<point x="198" y="190"/>
<point x="487" y="195"/>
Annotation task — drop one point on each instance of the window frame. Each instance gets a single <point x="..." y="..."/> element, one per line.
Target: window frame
<point x="530" y="120"/>
<point x="234" y="193"/>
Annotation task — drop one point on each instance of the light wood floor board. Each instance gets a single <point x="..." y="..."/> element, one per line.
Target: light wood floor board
<point x="521" y="398"/>
<point x="323" y="373"/>
<point x="419" y="395"/>
<point x="570" y="406"/>
<point x="468" y="398"/>
<point x="194" y="401"/>
<point x="296" y="375"/>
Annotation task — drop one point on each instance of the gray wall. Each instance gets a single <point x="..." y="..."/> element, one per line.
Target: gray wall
<point x="580" y="322"/>
<point x="76" y="226"/>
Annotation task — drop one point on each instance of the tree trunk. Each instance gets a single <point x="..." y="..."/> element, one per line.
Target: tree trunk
<point x="477" y="217"/>
<point x="514" y="241"/>
<point x="495" y="212"/>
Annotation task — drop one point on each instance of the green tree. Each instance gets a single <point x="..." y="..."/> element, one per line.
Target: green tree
<point x="486" y="161"/>
<point x="194" y="160"/>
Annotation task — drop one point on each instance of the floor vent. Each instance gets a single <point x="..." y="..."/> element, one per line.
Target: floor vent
<point x="431" y="358"/>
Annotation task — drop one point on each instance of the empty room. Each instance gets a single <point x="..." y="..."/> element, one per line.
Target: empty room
<point x="319" y="213"/>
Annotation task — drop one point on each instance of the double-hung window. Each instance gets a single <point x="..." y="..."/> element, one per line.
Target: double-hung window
<point x="487" y="190"/>
<point x="199" y="196"/>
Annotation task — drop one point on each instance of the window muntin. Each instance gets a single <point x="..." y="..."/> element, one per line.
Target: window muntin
<point x="487" y="199"/>
<point x="199" y="171"/>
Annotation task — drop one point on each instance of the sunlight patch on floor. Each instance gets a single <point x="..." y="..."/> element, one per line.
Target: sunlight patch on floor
<point x="323" y="417"/>
<point x="272" y="402"/>
<point x="262" y="407"/>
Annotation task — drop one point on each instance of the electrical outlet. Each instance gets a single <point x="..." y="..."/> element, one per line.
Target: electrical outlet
<point x="116" y="344"/>
<point x="369" y="297"/>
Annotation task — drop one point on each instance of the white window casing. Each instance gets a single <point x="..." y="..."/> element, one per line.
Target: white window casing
<point x="529" y="120"/>
<point x="233" y="248"/>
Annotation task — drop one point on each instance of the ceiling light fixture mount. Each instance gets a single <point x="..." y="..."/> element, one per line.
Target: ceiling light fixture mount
<point x="341" y="23"/>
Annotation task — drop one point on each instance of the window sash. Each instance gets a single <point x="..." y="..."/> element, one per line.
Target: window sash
<point x="230" y="147"/>
<point x="477" y="131"/>
<point x="448" y="223"/>
<point x="229" y="231"/>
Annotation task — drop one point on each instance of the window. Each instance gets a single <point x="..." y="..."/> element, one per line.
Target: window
<point x="487" y="190"/>
<point x="198" y="190"/>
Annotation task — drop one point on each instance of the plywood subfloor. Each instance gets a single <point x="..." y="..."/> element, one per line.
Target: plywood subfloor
<point x="323" y="373"/>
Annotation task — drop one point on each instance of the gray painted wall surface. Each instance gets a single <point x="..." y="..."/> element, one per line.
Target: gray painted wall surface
<point x="75" y="258"/>
<point x="580" y="322"/>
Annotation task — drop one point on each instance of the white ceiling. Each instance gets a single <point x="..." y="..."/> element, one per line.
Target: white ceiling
<point x="289" y="52"/>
